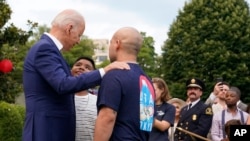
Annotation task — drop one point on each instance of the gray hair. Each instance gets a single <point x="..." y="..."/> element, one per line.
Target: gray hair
<point x="67" y="16"/>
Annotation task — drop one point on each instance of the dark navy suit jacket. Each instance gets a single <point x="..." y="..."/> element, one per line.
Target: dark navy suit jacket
<point x="197" y="120"/>
<point x="49" y="91"/>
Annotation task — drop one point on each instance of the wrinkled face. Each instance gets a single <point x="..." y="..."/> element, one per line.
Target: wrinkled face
<point x="81" y="66"/>
<point x="231" y="98"/>
<point x="177" y="108"/>
<point x="194" y="93"/>
<point x="158" y="92"/>
<point x="73" y="36"/>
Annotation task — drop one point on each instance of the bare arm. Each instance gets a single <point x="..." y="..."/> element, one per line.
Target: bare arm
<point x="217" y="88"/>
<point x="104" y="124"/>
<point x="248" y="120"/>
<point x="161" y="125"/>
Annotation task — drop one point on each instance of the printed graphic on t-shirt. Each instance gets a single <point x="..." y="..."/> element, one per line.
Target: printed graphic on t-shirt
<point x="147" y="97"/>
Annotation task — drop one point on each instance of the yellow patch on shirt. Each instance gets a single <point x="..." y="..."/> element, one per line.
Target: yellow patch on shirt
<point x="209" y="111"/>
<point x="194" y="117"/>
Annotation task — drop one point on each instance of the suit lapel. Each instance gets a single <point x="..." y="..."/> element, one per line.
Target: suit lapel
<point x="187" y="113"/>
<point x="63" y="61"/>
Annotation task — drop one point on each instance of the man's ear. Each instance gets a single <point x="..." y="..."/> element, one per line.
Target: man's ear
<point x="118" y="44"/>
<point x="68" y="28"/>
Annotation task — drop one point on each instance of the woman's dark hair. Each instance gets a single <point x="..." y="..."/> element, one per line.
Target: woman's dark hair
<point x="229" y="123"/>
<point x="225" y="83"/>
<point x="86" y="58"/>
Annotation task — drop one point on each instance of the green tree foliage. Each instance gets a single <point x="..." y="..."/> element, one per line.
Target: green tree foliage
<point x="103" y="64"/>
<point x="147" y="56"/>
<point x="38" y="33"/>
<point x="9" y="34"/>
<point x="11" y="41"/>
<point x="159" y="70"/>
<point x="11" y="121"/>
<point x="209" y="39"/>
<point x="85" y="48"/>
<point x="11" y="82"/>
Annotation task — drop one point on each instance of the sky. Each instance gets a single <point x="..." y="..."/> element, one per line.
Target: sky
<point x="104" y="17"/>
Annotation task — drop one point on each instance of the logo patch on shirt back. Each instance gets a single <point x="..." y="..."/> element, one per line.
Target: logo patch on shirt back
<point x="147" y="97"/>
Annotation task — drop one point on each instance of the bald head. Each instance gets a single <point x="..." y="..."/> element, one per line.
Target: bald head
<point x="130" y="38"/>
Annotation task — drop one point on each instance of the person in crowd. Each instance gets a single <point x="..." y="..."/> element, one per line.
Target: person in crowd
<point x="178" y="104"/>
<point x="248" y="111"/>
<point x="126" y="98"/>
<point x="49" y="87"/>
<point x="248" y="120"/>
<point x="232" y="112"/>
<point x="220" y="103"/>
<point x="194" y="115"/>
<point x="227" y="128"/>
<point x="248" y="108"/>
<point x="242" y="105"/>
<point x="212" y="97"/>
<point x="165" y="112"/>
<point x="221" y="85"/>
<point x="85" y="102"/>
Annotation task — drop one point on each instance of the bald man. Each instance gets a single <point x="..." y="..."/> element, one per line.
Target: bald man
<point x="48" y="84"/>
<point x="126" y="97"/>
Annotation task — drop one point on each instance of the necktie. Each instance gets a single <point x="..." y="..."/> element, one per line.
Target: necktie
<point x="189" y="106"/>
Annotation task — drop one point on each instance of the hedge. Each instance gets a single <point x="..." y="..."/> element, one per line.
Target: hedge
<point x="11" y="121"/>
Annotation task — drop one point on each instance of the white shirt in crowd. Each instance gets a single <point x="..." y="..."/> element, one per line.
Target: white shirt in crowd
<point x="86" y="113"/>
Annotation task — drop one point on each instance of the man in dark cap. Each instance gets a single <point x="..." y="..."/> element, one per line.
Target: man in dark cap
<point x="196" y="117"/>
